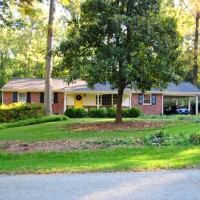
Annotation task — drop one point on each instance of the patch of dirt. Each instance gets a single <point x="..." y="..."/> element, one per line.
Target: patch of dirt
<point x="78" y="144"/>
<point x="111" y="126"/>
<point x="57" y="145"/>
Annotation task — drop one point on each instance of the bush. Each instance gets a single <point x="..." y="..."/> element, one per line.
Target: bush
<point x="135" y="112"/>
<point x="97" y="113"/>
<point x="18" y="111"/>
<point x="158" y="139"/>
<point x="80" y="112"/>
<point x="126" y="113"/>
<point x="195" y="139"/>
<point x="70" y="112"/>
<point x="111" y="112"/>
<point x="75" y="112"/>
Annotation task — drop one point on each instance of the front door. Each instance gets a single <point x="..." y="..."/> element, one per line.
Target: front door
<point x="78" y="101"/>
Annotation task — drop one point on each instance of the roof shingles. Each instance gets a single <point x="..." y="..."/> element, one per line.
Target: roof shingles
<point x="35" y="84"/>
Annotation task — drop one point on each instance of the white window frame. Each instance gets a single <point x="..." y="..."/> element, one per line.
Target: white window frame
<point x="25" y="98"/>
<point x="100" y="100"/>
<point x="150" y="96"/>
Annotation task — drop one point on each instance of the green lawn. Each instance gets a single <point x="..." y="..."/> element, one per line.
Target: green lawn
<point x="124" y="158"/>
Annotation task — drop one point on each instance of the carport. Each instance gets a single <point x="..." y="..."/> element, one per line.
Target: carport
<point x="181" y="95"/>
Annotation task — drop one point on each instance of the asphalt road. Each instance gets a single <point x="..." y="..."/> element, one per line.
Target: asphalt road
<point x="164" y="185"/>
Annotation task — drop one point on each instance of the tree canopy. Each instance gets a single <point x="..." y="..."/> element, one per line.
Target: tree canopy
<point x="129" y="44"/>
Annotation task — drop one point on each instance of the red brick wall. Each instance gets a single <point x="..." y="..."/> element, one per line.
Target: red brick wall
<point x="7" y="97"/>
<point x="57" y="108"/>
<point x="149" y="109"/>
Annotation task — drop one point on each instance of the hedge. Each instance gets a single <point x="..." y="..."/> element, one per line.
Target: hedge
<point x="101" y="112"/>
<point x="19" y="111"/>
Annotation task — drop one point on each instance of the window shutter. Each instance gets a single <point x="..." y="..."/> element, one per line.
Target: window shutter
<point x="28" y="97"/>
<point x="55" y="97"/>
<point x="41" y="97"/>
<point x="153" y="99"/>
<point x="15" y="97"/>
<point x="140" y="98"/>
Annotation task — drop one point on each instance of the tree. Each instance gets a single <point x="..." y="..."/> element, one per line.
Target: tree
<point x="49" y="59"/>
<point x="126" y="43"/>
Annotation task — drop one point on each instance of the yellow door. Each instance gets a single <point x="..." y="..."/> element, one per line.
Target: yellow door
<point x="78" y="101"/>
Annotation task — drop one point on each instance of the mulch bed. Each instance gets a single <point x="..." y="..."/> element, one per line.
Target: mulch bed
<point x="111" y="126"/>
<point x="78" y="144"/>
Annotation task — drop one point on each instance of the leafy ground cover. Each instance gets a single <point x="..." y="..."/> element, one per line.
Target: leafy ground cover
<point x="65" y="146"/>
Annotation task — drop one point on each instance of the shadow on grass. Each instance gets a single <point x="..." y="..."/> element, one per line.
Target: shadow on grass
<point x="116" y="159"/>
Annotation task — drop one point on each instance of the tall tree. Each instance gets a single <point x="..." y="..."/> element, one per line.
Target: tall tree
<point x="129" y="44"/>
<point x="49" y="59"/>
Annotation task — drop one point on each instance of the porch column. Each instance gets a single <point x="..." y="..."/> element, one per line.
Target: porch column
<point x="189" y="101"/>
<point x="197" y="110"/>
<point x="65" y="102"/>
<point x="182" y="102"/>
<point x="130" y="101"/>
<point x="97" y="101"/>
<point x="176" y="102"/>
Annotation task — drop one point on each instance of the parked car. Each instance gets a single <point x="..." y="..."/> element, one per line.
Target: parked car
<point x="182" y="110"/>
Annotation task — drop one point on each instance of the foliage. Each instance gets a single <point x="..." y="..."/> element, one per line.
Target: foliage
<point x="18" y="111"/>
<point x="75" y="112"/>
<point x="97" y="113"/>
<point x="111" y="111"/>
<point x="158" y="139"/>
<point x="195" y="139"/>
<point x="126" y="113"/>
<point x="135" y="112"/>
<point x="32" y="121"/>
<point x="123" y="44"/>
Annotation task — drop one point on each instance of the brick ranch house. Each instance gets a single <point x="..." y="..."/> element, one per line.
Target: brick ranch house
<point x="78" y="95"/>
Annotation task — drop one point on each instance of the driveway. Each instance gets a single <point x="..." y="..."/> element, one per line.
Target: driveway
<point x="163" y="185"/>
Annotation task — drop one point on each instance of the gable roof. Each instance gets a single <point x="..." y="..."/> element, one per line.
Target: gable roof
<point x="182" y="87"/>
<point x="32" y="84"/>
<point x="37" y="84"/>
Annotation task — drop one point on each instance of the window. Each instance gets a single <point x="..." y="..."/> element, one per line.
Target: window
<point x="147" y="99"/>
<point x="22" y="97"/>
<point x="114" y="99"/>
<point x="107" y="99"/>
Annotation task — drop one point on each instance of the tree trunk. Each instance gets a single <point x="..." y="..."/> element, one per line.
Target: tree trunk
<point x="118" y="118"/>
<point x="49" y="60"/>
<point x="196" y="39"/>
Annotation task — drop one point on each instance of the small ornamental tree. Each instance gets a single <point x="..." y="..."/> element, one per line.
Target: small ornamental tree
<point x="127" y="43"/>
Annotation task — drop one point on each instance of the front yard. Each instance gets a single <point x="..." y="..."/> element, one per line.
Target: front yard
<point x="92" y="145"/>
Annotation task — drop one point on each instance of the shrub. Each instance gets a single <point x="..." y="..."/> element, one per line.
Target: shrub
<point x="18" y="111"/>
<point x="97" y="113"/>
<point x="135" y="112"/>
<point x="75" y="112"/>
<point x="80" y="112"/>
<point x="195" y="139"/>
<point x="111" y="112"/>
<point x="70" y="112"/>
<point x="158" y="139"/>
<point x="126" y="113"/>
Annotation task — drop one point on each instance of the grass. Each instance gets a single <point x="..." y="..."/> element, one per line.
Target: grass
<point x="134" y="158"/>
<point x="116" y="159"/>
<point x="59" y="130"/>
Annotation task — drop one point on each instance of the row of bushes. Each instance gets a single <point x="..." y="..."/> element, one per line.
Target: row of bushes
<point x="101" y="112"/>
<point x="19" y="111"/>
